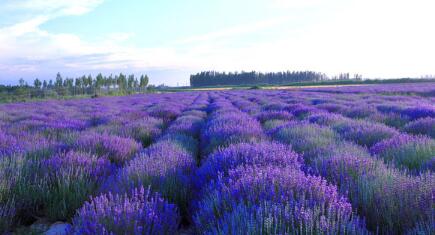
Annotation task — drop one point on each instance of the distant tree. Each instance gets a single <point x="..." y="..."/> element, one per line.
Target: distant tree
<point x="37" y="83"/>
<point x="21" y="82"/>
<point x="212" y="78"/>
<point x="143" y="81"/>
<point x="357" y="77"/>
<point x="44" y="84"/>
<point x="89" y="80"/>
<point x="344" y="76"/>
<point x="130" y="81"/>
<point x="99" y="82"/>
<point x="59" y="80"/>
<point x="78" y="83"/>
<point x="122" y="82"/>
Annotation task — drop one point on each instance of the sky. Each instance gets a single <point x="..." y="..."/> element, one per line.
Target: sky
<point x="171" y="39"/>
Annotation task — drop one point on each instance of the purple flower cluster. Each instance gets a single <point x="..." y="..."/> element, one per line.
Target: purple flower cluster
<point x="70" y="178"/>
<point x="228" y="126"/>
<point x="309" y="139"/>
<point x="422" y="126"/>
<point x="188" y="124"/>
<point x="419" y="112"/>
<point x="165" y="166"/>
<point x="117" y="149"/>
<point x="295" y="200"/>
<point x="259" y="154"/>
<point x="274" y="115"/>
<point x="363" y="132"/>
<point x="143" y="129"/>
<point x="139" y="212"/>
<point x="409" y="151"/>
<point x="379" y="192"/>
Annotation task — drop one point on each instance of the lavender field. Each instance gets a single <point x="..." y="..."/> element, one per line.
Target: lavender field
<point x="343" y="160"/>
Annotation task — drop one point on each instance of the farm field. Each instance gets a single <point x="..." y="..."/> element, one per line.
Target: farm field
<point x="319" y="160"/>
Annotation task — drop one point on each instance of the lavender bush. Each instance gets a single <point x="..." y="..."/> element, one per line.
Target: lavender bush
<point x="71" y="179"/>
<point x="422" y="126"/>
<point x="140" y="212"/>
<point x="304" y="203"/>
<point x="165" y="166"/>
<point x="412" y="152"/>
<point x="117" y="149"/>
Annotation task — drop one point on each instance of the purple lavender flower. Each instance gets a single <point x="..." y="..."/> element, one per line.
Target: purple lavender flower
<point x="292" y="191"/>
<point x="144" y="130"/>
<point x="190" y="125"/>
<point x="311" y="140"/>
<point x="224" y="128"/>
<point x="363" y="132"/>
<point x="71" y="178"/>
<point x="117" y="149"/>
<point x="274" y="115"/>
<point x="244" y="154"/>
<point x="140" y="212"/>
<point x="166" y="166"/>
<point x="419" y="111"/>
<point x="409" y="151"/>
<point x="422" y="126"/>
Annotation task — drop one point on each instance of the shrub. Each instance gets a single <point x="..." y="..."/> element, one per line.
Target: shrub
<point x="117" y="149"/>
<point x="380" y="194"/>
<point x="143" y="130"/>
<point x="419" y="111"/>
<point x="223" y="129"/>
<point x="304" y="202"/>
<point x="308" y="139"/>
<point x="392" y="119"/>
<point x="423" y="126"/>
<point x="71" y="179"/>
<point x="274" y="115"/>
<point x="326" y="119"/>
<point x="189" y="125"/>
<point x="195" y="113"/>
<point x="245" y="154"/>
<point x="281" y="218"/>
<point x="360" y="111"/>
<point x="302" y="111"/>
<point x="165" y="166"/>
<point x="273" y="124"/>
<point x="141" y="212"/>
<point x="185" y="142"/>
<point x="393" y="201"/>
<point x="407" y="151"/>
<point x="21" y="189"/>
<point x="363" y="132"/>
<point x="166" y="111"/>
<point x="277" y="106"/>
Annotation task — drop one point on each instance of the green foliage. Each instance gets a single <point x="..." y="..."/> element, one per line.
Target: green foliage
<point x="70" y="87"/>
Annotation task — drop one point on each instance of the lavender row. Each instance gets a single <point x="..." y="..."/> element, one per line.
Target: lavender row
<point x="415" y="153"/>
<point x="165" y="167"/>
<point x="61" y="163"/>
<point x="381" y="194"/>
<point x="252" y="187"/>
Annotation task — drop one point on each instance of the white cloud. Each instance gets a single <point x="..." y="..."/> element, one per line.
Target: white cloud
<point x="55" y="7"/>
<point x="376" y="38"/>
<point x="298" y="3"/>
<point x="236" y="30"/>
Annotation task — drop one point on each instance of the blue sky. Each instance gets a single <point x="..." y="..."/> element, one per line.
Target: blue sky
<point x="171" y="39"/>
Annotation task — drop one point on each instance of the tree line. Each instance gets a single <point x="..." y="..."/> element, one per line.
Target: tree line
<point x="214" y="78"/>
<point x="80" y="86"/>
